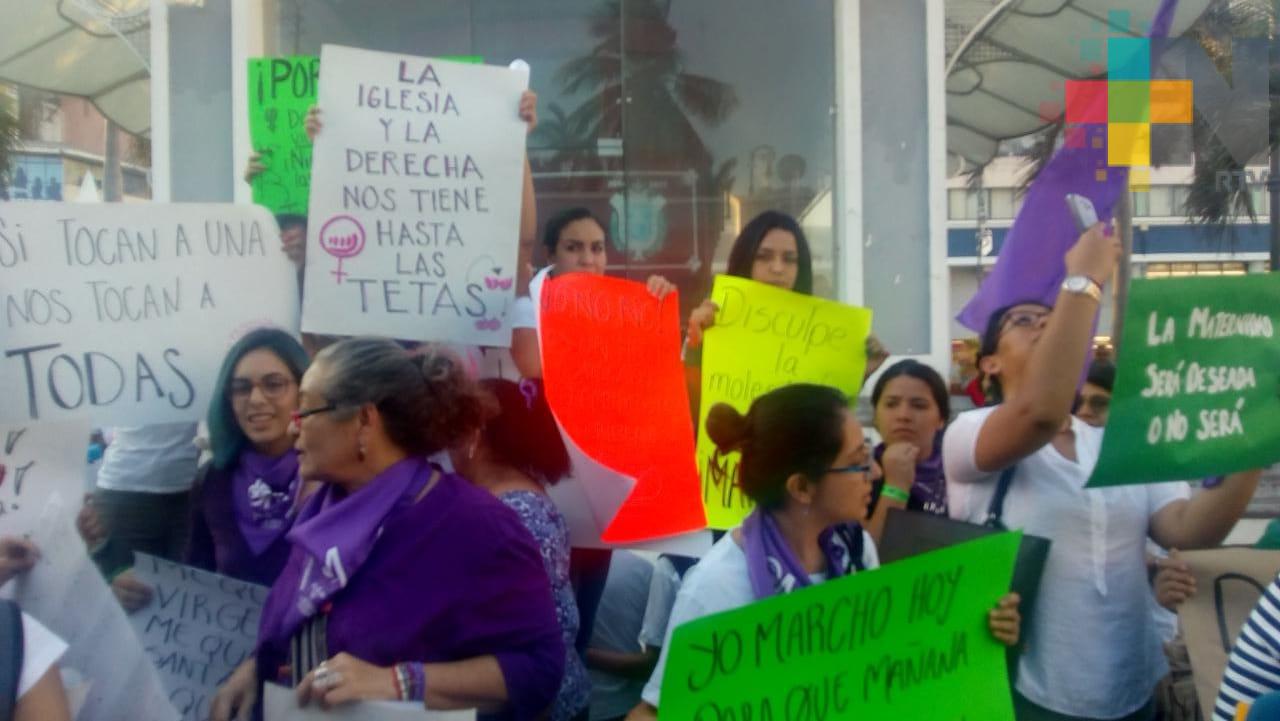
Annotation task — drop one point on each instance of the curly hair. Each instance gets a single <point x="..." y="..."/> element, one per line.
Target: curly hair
<point x="425" y="397"/>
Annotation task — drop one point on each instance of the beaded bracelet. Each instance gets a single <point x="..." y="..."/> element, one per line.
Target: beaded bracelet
<point x="410" y="681"/>
<point x="895" y="493"/>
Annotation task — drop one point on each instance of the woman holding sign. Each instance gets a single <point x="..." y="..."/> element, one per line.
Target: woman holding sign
<point x="1095" y="578"/>
<point x="805" y="464"/>
<point x="404" y="582"/>
<point x="771" y="249"/>
<point x="245" y="499"/>
<point x="575" y="242"/>
<point x="515" y="457"/>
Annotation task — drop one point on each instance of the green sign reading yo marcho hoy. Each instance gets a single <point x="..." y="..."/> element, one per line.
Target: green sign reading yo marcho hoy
<point x="1197" y="391"/>
<point x="905" y="642"/>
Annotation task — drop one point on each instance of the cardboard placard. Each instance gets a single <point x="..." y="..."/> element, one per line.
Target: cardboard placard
<point x="881" y="645"/>
<point x="611" y="363"/>
<point x="1229" y="582"/>
<point x="1197" y="389"/>
<point x="415" y="198"/>
<point x="123" y="313"/>
<point x="765" y="338"/>
<point x="197" y="629"/>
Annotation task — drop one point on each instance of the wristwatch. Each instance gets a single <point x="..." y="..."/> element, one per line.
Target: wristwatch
<point x="1083" y="285"/>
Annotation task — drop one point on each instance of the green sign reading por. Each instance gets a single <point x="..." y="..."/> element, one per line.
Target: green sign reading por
<point x="1197" y="390"/>
<point x="900" y="643"/>
<point x="281" y="90"/>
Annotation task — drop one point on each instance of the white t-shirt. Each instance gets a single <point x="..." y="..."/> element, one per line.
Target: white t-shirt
<point x="41" y="649"/>
<point x="618" y="629"/>
<point x="151" y="459"/>
<point x="663" y="588"/>
<point x="1092" y="648"/>
<point x="720" y="582"/>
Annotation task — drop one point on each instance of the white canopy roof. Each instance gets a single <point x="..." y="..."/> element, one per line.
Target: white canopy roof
<point x="96" y="49"/>
<point x="1007" y="58"/>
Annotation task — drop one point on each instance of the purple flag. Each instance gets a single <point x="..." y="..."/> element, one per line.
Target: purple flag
<point x="1030" y="266"/>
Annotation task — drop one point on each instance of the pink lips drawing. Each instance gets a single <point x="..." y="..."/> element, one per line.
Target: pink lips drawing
<point x="497" y="283"/>
<point x="490" y="324"/>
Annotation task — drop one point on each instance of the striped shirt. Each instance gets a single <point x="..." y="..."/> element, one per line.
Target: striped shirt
<point x="1253" y="669"/>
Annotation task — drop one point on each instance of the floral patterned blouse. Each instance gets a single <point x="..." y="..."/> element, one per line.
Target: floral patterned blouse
<point x="548" y="528"/>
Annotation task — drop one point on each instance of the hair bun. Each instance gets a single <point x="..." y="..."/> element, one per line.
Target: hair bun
<point x="727" y="428"/>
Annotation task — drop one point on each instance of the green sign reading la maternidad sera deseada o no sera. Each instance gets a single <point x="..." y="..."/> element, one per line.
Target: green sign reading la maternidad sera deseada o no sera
<point x="1197" y="389"/>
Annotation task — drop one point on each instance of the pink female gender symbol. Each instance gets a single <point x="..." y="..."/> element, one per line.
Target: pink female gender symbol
<point x="342" y="237"/>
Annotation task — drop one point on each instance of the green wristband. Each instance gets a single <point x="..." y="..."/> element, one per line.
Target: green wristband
<point x="895" y="493"/>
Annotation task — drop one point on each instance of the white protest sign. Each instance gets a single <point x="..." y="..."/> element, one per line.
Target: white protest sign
<point x="280" y="704"/>
<point x="105" y="673"/>
<point x="197" y="629"/>
<point x="39" y="462"/>
<point x="123" y="312"/>
<point x="416" y="184"/>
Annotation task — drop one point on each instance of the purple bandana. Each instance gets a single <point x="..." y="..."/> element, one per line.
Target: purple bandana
<point x="929" y="492"/>
<point x="335" y="533"/>
<point x="263" y="490"/>
<point x="774" y="569"/>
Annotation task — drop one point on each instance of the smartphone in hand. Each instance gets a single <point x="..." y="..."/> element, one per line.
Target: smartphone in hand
<point x="1082" y="211"/>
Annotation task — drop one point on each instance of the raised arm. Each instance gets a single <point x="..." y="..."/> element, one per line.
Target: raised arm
<point x="1204" y="521"/>
<point x="1038" y="400"/>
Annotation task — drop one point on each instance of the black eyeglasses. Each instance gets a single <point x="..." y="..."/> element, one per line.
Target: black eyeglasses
<point x="299" y="414"/>
<point x="1023" y="318"/>
<point x="862" y="468"/>
<point x="273" y="387"/>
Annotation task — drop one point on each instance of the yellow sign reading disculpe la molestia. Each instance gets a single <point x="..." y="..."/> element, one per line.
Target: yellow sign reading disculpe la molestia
<point x="765" y="338"/>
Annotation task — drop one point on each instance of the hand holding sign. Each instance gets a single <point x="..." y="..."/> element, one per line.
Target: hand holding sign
<point x="764" y="338"/>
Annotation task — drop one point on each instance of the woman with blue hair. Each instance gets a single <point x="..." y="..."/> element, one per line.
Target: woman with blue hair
<point x="245" y="498"/>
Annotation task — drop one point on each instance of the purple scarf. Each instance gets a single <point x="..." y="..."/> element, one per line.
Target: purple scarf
<point x="929" y="492"/>
<point x="263" y="490"/>
<point x="335" y="533"/>
<point x="774" y="569"/>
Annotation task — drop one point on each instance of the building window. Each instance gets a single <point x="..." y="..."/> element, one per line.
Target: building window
<point x="1184" y="269"/>
<point x="963" y="204"/>
<point x="1141" y="204"/>
<point x="1002" y="204"/>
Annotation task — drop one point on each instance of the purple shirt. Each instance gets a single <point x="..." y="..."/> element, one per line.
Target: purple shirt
<point x="217" y="544"/>
<point x="452" y="576"/>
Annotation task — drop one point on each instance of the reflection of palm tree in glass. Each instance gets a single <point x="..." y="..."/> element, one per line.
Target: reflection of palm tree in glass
<point x="572" y="137"/>
<point x="641" y="93"/>
<point x="650" y="83"/>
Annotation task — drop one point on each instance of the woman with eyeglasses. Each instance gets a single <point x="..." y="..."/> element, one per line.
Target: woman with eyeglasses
<point x="912" y="406"/>
<point x="1095" y="396"/>
<point x="1092" y="651"/>
<point x="246" y="497"/>
<point x="805" y="463"/>
<point x="404" y="582"/>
